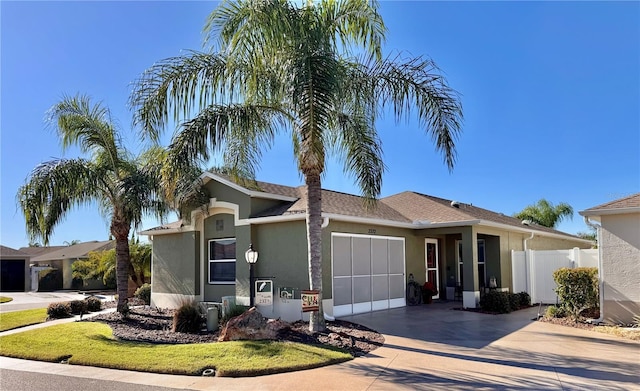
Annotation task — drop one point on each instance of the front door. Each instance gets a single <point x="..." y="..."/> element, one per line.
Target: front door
<point x="431" y="260"/>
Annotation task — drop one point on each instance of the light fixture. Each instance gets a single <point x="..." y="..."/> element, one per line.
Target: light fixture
<point x="251" y="257"/>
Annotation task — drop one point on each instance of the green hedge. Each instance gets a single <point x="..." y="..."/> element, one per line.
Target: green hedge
<point x="577" y="289"/>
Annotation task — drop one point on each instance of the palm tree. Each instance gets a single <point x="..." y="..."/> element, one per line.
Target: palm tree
<point x="545" y="213"/>
<point x="124" y="189"/>
<point x="277" y="67"/>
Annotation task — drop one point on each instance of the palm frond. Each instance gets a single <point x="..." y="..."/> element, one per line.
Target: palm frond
<point x="177" y="85"/>
<point x="52" y="190"/>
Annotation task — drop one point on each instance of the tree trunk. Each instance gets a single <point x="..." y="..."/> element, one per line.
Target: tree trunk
<point x="314" y="246"/>
<point x="120" y="232"/>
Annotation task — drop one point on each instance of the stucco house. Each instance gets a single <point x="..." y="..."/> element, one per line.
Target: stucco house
<point x="618" y="224"/>
<point x="63" y="257"/>
<point x="14" y="270"/>
<point x="368" y="253"/>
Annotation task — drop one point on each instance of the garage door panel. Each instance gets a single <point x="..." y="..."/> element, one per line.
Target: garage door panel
<point x="341" y="291"/>
<point x="396" y="286"/>
<point x="341" y="256"/>
<point x="361" y="256"/>
<point x="396" y="257"/>
<point x="361" y="289"/>
<point x="380" y="288"/>
<point x="379" y="256"/>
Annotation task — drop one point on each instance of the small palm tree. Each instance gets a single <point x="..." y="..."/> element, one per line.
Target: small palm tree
<point x="124" y="188"/>
<point x="545" y="213"/>
<point x="277" y="67"/>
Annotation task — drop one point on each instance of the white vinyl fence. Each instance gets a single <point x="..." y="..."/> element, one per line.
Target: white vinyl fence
<point x="533" y="270"/>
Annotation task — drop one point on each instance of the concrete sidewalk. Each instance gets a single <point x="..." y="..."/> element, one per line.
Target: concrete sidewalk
<point x="433" y="348"/>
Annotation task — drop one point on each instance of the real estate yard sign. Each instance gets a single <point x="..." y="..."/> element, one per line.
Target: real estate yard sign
<point x="309" y="300"/>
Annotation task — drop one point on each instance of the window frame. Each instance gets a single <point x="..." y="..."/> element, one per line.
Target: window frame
<point x="226" y="260"/>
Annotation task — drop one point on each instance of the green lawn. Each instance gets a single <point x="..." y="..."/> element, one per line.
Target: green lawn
<point x="89" y="343"/>
<point x="15" y="319"/>
<point x="5" y="299"/>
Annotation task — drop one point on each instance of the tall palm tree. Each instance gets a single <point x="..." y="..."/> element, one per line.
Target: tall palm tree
<point x="315" y="71"/>
<point x="124" y="189"/>
<point x="545" y="213"/>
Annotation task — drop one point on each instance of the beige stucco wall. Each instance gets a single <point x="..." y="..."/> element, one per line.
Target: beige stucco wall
<point x="620" y="249"/>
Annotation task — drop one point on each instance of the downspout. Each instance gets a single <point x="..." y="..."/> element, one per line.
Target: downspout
<point x="598" y="229"/>
<point x="325" y="223"/>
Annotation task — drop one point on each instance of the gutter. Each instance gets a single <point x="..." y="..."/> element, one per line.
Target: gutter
<point x="598" y="229"/>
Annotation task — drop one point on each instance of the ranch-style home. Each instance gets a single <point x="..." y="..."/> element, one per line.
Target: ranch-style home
<point x="618" y="224"/>
<point x="369" y="254"/>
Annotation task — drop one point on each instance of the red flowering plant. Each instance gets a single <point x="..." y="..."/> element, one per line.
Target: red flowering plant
<point x="429" y="288"/>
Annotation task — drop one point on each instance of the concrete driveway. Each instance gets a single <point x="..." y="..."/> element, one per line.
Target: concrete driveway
<point x="434" y="347"/>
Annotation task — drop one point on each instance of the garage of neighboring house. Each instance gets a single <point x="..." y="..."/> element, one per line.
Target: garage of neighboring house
<point x="368" y="273"/>
<point x="13" y="270"/>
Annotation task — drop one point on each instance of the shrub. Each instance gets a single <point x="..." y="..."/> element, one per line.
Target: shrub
<point x="123" y="309"/>
<point x="525" y="299"/>
<point x="144" y="293"/>
<point x="93" y="304"/>
<point x="554" y="312"/>
<point x="234" y="311"/>
<point x="49" y="280"/>
<point x="514" y="301"/>
<point x="495" y="301"/>
<point x="187" y="318"/>
<point x="59" y="310"/>
<point x="577" y="289"/>
<point x="78" y="307"/>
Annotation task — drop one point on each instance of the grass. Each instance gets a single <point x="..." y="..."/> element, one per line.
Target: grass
<point x="15" y="319"/>
<point x="5" y="299"/>
<point x="89" y="343"/>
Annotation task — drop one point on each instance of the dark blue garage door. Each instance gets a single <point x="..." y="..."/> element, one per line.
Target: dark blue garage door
<point x="12" y="275"/>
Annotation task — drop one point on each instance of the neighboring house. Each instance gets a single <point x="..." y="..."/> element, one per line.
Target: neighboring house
<point x="619" y="247"/>
<point x="368" y="254"/>
<point x="14" y="270"/>
<point x="62" y="257"/>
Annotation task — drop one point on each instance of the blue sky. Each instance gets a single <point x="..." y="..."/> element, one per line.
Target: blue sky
<point x="550" y="90"/>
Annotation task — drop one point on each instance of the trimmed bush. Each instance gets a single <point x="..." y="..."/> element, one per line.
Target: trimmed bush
<point x="495" y="301"/>
<point x="144" y="293"/>
<point x="59" y="310"/>
<point x="577" y="289"/>
<point x="78" y="307"/>
<point x="525" y="299"/>
<point x="514" y="301"/>
<point x="554" y="312"/>
<point x="187" y="318"/>
<point x="93" y="304"/>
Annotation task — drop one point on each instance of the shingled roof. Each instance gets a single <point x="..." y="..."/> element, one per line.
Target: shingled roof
<point x="80" y="250"/>
<point x="8" y="252"/>
<point x="407" y="208"/>
<point x="631" y="202"/>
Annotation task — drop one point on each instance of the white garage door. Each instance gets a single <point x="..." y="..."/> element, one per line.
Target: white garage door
<point x="368" y="273"/>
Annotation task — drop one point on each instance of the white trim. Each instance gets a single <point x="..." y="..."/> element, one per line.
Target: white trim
<point x="395" y="303"/>
<point x="272" y="219"/>
<point x="342" y="310"/>
<point x="348" y="235"/>
<point x="609" y="211"/>
<point x="529" y="229"/>
<point x="437" y="268"/>
<point x="244" y="190"/>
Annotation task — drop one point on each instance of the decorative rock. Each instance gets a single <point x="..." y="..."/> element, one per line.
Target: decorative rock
<point x="251" y="325"/>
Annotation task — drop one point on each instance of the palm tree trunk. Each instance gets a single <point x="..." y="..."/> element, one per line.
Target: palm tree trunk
<point x="314" y="245"/>
<point x="120" y="232"/>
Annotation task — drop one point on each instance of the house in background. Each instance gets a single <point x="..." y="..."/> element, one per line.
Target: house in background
<point x="14" y="270"/>
<point x="62" y="258"/>
<point x="368" y="254"/>
<point x="619" y="247"/>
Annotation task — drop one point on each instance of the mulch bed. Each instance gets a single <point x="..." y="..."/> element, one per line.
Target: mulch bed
<point x="150" y="325"/>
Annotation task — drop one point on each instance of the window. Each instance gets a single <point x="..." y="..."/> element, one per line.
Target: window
<point x="482" y="277"/>
<point x="222" y="261"/>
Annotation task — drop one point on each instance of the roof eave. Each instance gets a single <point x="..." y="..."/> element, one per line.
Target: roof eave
<point x="609" y="211"/>
<point x="207" y="176"/>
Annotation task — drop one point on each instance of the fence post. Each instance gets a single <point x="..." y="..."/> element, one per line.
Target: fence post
<point x="576" y="258"/>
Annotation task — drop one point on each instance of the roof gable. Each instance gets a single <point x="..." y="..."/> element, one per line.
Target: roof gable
<point x="11" y="252"/>
<point x="622" y="205"/>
